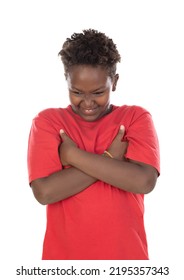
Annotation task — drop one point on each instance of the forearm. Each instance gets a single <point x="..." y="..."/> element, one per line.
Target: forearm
<point x="122" y="174"/>
<point x="61" y="185"/>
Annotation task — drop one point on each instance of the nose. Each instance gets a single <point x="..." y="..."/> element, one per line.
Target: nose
<point x="88" y="100"/>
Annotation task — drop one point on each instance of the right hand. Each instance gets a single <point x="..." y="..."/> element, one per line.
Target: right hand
<point x="118" y="147"/>
<point x="65" y="147"/>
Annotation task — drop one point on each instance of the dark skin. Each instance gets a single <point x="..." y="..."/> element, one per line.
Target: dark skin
<point x="71" y="181"/>
<point x="89" y="91"/>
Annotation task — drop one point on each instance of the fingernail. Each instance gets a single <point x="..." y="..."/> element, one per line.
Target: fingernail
<point x="122" y="127"/>
<point x="62" y="131"/>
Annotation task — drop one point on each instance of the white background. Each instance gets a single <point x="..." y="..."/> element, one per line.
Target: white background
<point x="150" y="38"/>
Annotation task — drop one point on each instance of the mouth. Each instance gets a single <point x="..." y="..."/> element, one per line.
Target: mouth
<point x="89" y="111"/>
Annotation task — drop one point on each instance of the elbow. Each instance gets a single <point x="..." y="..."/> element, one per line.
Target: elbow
<point x="148" y="188"/>
<point x="40" y="192"/>
<point x="148" y="179"/>
<point x="148" y="184"/>
<point x="41" y="199"/>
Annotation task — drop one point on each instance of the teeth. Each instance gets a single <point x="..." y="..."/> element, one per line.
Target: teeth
<point x="88" y="111"/>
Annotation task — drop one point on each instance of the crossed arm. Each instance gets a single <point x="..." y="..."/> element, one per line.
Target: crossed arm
<point x="86" y="168"/>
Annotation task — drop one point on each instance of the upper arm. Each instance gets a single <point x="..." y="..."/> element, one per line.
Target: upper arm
<point x="143" y="145"/>
<point x="43" y="157"/>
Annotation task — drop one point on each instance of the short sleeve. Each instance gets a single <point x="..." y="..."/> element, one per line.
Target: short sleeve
<point x="43" y="157"/>
<point x="142" y="138"/>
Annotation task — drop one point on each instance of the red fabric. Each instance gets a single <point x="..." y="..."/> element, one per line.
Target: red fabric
<point x="101" y="222"/>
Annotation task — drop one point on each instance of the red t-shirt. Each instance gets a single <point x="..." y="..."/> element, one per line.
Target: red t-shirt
<point x="101" y="222"/>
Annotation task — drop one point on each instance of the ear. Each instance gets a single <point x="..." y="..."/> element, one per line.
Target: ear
<point x="115" y="80"/>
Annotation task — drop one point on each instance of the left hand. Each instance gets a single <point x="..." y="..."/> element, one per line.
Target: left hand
<point x="118" y="147"/>
<point x="65" y="147"/>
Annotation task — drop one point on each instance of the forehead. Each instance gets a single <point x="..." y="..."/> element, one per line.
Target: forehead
<point x="87" y="75"/>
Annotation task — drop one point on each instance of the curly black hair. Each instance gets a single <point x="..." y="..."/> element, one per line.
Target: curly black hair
<point x="90" y="48"/>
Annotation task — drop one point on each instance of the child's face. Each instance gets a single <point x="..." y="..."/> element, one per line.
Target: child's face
<point x="89" y="91"/>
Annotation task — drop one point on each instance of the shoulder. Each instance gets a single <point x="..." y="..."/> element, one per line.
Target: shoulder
<point x="133" y="108"/>
<point x="130" y="111"/>
<point x="50" y="114"/>
<point x="50" y="118"/>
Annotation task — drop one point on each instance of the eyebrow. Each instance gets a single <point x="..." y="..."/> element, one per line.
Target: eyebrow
<point x="100" y="88"/>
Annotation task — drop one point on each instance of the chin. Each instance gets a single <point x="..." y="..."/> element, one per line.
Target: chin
<point x="90" y="118"/>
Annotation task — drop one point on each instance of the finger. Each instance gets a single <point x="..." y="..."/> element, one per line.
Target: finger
<point x="62" y="134"/>
<point x="122" y="129"/>
<point x="121" y="132"/>
<point x="124" y="150"/>
<point x="124" y="146"/>
<point x="61" y="131"/>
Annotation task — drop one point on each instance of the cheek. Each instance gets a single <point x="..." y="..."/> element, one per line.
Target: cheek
<point x="103" y="101"/>
<point x="74" y="100"/>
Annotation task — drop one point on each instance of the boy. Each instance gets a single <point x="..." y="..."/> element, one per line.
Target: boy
<point x="92" y="162"/>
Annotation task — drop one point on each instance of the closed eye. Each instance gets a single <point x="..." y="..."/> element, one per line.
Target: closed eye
<point x="98" y="93"/>
<point x="77" y="92"/>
